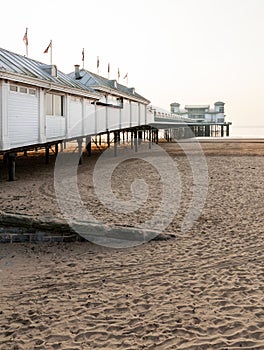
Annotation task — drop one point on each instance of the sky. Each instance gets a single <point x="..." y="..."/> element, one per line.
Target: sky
<point x="185" y="51"/>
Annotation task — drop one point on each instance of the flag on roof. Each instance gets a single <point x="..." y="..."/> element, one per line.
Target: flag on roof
<point x="108" y="67"/>
<point x="118" y="74"/>
<point x="48" y="47"/>
<point x="125" y="76"/>
<point x="98" y="62"/>
<point x="25" y="38"/>
<point x="83" y="55"/>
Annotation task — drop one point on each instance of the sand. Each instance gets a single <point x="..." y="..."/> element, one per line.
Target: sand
<point x="201" y="289"/>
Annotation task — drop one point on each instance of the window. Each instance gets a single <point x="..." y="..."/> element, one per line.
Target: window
<point x="221" y="109"/>
<point x="32" y="91"/>
<point x="13" y="88"/>
<point x="23" y="90"/>
<point x="54" y="105"/>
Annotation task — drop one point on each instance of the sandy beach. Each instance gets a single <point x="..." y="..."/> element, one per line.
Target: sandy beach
<point x="200" y="289"/>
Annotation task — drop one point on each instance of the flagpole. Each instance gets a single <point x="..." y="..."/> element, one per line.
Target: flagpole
<point x="25" y="39"/>
<point x="83" y="57"/>
<point x="98" y="65"/>
<point x="51" y="52"/>
<point x="27" y="44"/>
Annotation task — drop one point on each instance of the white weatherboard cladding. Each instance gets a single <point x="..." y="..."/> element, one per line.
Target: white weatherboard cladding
<point x="125" y="115"/>
<point x="55" y="127"/>
<point x="113" y="118"/>
<point x="89" y="118"/>
<point x="142" y="112"/>
<point x="23" y="121"/>
<point x="75" y="117"/>
<point x="101" y="119"/>
<point x="134" y="113"/>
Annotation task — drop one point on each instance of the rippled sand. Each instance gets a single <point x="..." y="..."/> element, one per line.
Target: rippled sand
<point x="201" y="289"/>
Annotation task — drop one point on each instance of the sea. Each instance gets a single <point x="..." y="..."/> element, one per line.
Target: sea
<point x="247" y="131"/>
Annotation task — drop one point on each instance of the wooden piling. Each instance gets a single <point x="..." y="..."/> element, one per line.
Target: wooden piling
<point x="157" y="136"/>
<point x="139" y="137"/>
<point x="108" y="139"/>
<point x="136" y="140"/>
<point x="88" y="146"/>
<point x="207" y="130"/>
<point x="11" y="166"/>
<point x="131" y="139"/>
<point x="227" y="130"/>
<point x="47" y="154"/>
<point x="115" y="143"/>
<point x="80" y="141"/>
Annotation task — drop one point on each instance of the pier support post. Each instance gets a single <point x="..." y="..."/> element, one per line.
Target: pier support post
<point x="123" y="136"/>
<point x="132" y="139"/>
<point x="157" y="136"/>
<point x="136" y="140"/>
<point x="11" y="166"/>
<point x="56" y="149"/>
<point x="207" y="130"/>
<point x="47" y="154"/>
<point x="88" y="146"/>
<point x="108" y="139"/>
<point x="80" y="141"/>
<point x="139" y="137"/>
<point x="222" y="130"/>
<point x="227" y="130"/>
<point x="5" y="158"/>
<point x="115" y="142"/>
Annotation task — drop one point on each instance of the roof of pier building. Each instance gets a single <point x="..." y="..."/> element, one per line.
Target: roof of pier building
<point x="22" y="69"/>
<point x="102" y="84"/>
<point x="197" y="107"/>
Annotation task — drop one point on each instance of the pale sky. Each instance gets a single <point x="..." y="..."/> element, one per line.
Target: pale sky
<point x="186" y="51"/>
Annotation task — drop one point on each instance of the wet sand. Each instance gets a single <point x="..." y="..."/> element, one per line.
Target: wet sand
<point x="201" y="289"/>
